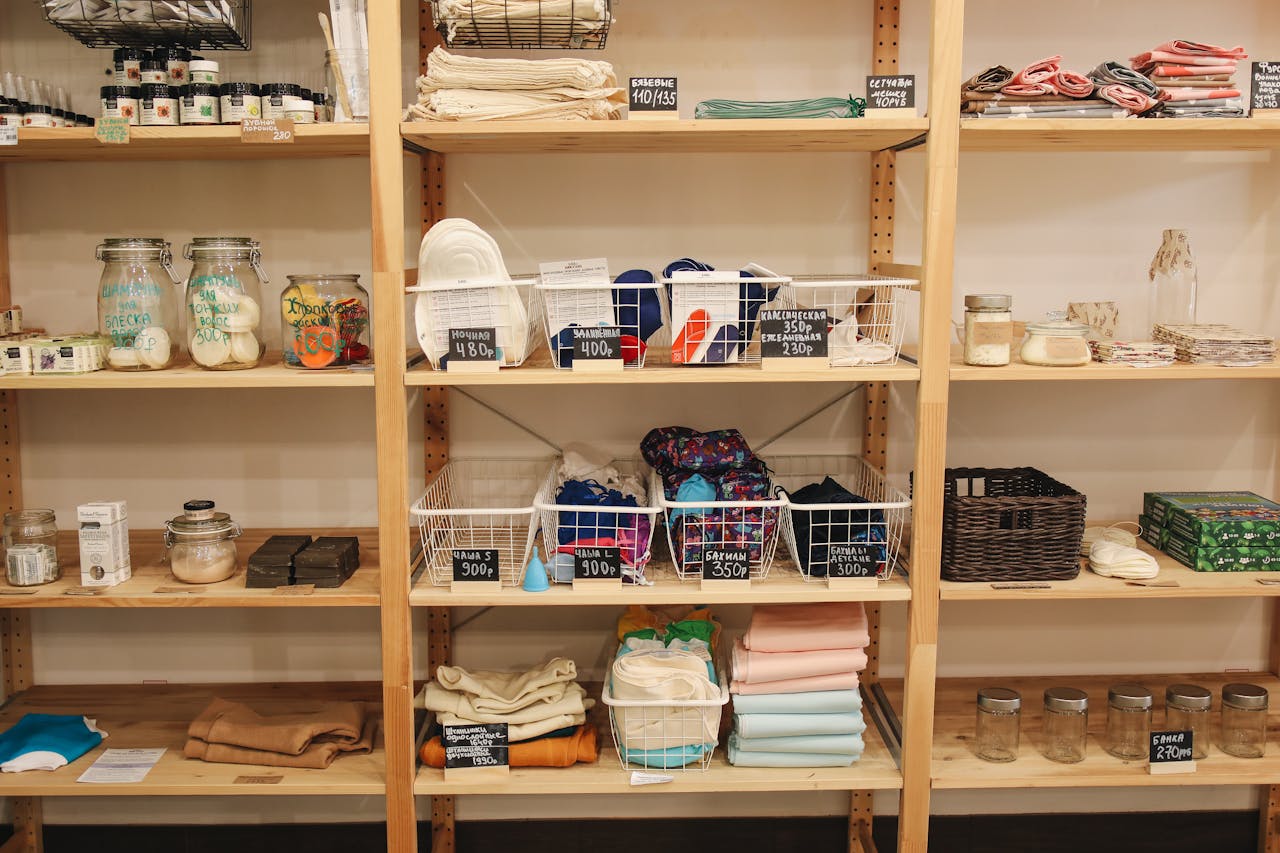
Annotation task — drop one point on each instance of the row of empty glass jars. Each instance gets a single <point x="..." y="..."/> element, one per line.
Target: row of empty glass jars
<point x="1129" y="712"/>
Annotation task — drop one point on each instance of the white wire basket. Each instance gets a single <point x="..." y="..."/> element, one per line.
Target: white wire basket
<point x="631" y="306"/>
<point x="523" y="24"/>
<point x="715" y="316"/>
<point x="507" y="307"/>
<point x="865" y="315"/>
<point x="484" y="504"/>
<point x="810" y="529"/>
<point x="563" y="525"/>
<point x="696" y="527"/>
<point x="665" y="734"/>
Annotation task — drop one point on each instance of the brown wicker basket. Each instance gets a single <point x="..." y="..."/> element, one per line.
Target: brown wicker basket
<point x="1010" y="524"/>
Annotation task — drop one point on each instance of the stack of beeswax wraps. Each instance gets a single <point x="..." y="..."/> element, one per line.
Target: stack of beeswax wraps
<point x="795" y="686"/>
<point x="1194" y="80"/>
<point x="1043" y="89"/>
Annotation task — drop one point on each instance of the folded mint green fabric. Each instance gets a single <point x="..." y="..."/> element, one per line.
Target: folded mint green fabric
<point x="810" y="108"/>
<point x="815" y="702"/>
<point x="669" y="758"/>
<point x="823" y="744"/>
<point x="786" y="759"/>
<point x="794" y="725"/>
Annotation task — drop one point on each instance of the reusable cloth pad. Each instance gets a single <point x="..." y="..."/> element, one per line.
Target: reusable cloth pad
<point x="232" y="733"/>
<point x="786" y="725"/>
<point x="824" y="744"/>
<point x="579" y="746"/>
<point x="758" y="667"/>
<point x="457" y="249"/>
<point x="802" y="627"/>
<point x="808" y="704"/>
<point x="47" y="742"/>
<point x="740" y="758"/>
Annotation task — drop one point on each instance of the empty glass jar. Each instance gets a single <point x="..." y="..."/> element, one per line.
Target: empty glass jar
<point x="31" y="547"/>
<point x="998" y="724"/>
<point x="1066" y="724"/>
<point x="137" y="306"/>
<point x="1244" y="720"/>
<point x="324" y="321"/>
<point x="201" y="543"/>
<point x="224" y="299"/>
<point x="1186" y="709"/>
<point x="1129" y="721"/>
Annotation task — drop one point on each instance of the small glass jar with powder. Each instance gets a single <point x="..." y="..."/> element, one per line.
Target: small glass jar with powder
<point x="1129" y="721"/>
<point x="998" y="724"/>
<point x="201" y="543"/>
<point x="1186" y="709"/>
<point x="1056" y="343"/>
<point x="988" y="329"/>
<point x="1244" y="720"/>
<point x="1066" y="724"/>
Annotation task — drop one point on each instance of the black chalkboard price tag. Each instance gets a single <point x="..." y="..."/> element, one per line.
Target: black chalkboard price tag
<point x="1171" y="752"/>
<point x="594" y="567"/>
<point x="793" y="340"/>
<point x="853" y="561"/>
<point x="475" y="569"/>
<point x="473" y="350"/>
<point x="891" y="95"/>
<point x="597" y="348"/>
<point x="473" y="750"/>
<point x="653" y="97"/>
<point x="1265" y="97"/>
<point x="726" y="567"/>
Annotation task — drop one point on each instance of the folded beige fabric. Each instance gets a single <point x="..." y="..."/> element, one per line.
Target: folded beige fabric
<point x="523" y="731"/>
<point x="450" y="71"/>
<point x="506" y="691"/>
<point x="665" y="678"/>
<point x="480" y="105"/>
<point x="571" y="700"/>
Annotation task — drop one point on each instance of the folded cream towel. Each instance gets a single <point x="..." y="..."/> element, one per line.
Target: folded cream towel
<point x="481" y="105"/>
<point x="571" y="701"/>
<point x="504" y="691"/>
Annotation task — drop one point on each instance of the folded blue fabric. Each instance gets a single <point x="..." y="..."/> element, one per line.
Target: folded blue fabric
<point x="788" y="725"/>
<point x="814" y="702"/>
<point x="589" y="525"/>
<point x="786" y="759"/>
<point x="696" y="488"/>
<point x="669" y="758"/>
<point x="638" y="309"/>
<point x="823" y="744"/>
<point x="46" y="742"/>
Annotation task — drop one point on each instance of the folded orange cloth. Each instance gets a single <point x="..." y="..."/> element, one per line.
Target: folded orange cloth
<point x="544" y="752"/>
<point x="232" y="733"/>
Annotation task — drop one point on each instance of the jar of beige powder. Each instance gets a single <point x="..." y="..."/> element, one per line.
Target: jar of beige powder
<point x="201" y="543"/>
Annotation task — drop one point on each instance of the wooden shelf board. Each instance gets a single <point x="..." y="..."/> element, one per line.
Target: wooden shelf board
<point x="157" y="715"/>
<point x="784" y="585"/>
<point x="1087" y="586"/>
<point x="1244" y="134"/>
<point x="1018" y="371"/>
<point x="271" y="373"/>
<point x="537" y="370"/>
<point x="956" y="766"/>
<point x="149" y="573"/>
<point x="876" y="770"/>
<point x="221" y="142"/>
<point x="663" y="137"/>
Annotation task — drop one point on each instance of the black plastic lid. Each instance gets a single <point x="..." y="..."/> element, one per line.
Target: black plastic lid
<point x="120" y="54"/>
<point x="154" y="65"/>
<point x="281" y="89"/>
<point x="7" y="107"/>
<point x="197" y="506"/>
<point x="239" y="89"/>
<point x="39" y="108"/>
<point x="164" y="54"/>
<point x="204" y="89"/>
<point x="121" y="92"/>
<point x="306" y="95"/>
<point x="318" y="98"/>
<point x="159" y="90"/>
<point x="59" y="112"/>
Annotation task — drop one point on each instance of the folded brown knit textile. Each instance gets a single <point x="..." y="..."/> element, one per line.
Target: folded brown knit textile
<point x="988" y="80"/>
<point x="232" y="733"/>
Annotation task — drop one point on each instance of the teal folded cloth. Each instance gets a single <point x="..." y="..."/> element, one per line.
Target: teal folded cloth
<point x="823" y="744"/>
<point x="807" y="108"/>
<point x="786" y="759"/>
<point x="793" y="725"/>
<point x="46" y="742"/>
<point x="814" y="702"/>
<point x="669" y="758"/>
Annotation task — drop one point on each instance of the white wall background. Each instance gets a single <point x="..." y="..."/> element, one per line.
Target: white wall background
<point x="1047" y="229"/>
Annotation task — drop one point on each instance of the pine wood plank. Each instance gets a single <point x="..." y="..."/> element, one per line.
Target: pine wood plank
<point x="157" y="715"/>
<point x="64" y="144"/>
<point x="685" y="136"/>
<point x="1018" y="371"/>
<point x="1243" y="134"/>
<point x="271" y="373"/>
<point x="151" y="572"/>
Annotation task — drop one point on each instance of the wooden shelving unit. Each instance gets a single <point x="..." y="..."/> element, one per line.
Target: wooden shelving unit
<point x="1048" y="135"/>
<point x="1018" y="371"/>
<point x="70" y="144"/>
<point x="271" y="373"/>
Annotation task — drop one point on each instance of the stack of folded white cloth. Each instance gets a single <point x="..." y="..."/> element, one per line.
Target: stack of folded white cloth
<point x="465" y="88"/>
<point x="536" y="702"/>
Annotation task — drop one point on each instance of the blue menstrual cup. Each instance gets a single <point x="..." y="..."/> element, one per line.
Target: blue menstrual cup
<point x="535" y="574"/>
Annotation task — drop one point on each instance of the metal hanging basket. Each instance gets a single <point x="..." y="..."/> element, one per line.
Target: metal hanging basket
<point x="197" y="24"/>
<point x="523" y="24"/>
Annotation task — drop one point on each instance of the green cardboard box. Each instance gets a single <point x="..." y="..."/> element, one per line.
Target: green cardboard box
<point x="1157" y="505"/>
<point x="1153" y="534"/>
<point x="1218" y="559"/>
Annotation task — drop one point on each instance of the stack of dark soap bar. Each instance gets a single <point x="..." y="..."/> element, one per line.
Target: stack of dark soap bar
<point x="272" y="564"/>
<point x="327" y="562"/>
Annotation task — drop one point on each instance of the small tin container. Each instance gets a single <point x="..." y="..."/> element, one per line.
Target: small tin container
<point x="200" y="104"/>
<point x="159" y="105"/>
<point x="128" y="65"/>
<point x="37" y="115"/>
<point x="239" y="101"/>
<point x="273" y="98"/>
<point x="154" y="73"/>
<point x="121" y="102"/>
<point x="176" y="62"/>
<point x="205" y="71"/>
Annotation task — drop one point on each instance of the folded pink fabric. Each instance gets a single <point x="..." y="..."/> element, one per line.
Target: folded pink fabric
<point x="1127" y="96"/>
<point x="1195" y="72"/>
<point x="1038" y="72"/>
<point x="842" y="681"/>
<point x="805" y="627"/>
<point x="1071" y="83"/>
<point x="1197" y="94"/>
<point x="756" y="667"/>
<point x="1029" y="90"/>
<point x="1155" y="57"/>
<point x="1193" y="48"/>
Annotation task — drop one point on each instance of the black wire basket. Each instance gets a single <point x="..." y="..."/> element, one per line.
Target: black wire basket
<point x="523" y="24"/>
<point x="210" y="24"/>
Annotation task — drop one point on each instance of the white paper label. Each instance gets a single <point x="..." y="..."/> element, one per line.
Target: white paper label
<point x="639" y="777"/>
<point x="594" y="271"/>
<point x="116" y="766"/>
<point x="8" y="134"/>
<point x="707" y="275"/>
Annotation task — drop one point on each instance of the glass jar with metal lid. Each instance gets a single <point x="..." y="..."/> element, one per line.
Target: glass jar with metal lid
<point x="1244" y="720"/>
<point x="1056" y="343"/>
<point x="201" y="543"/>
<point x="988" y="329"/>
<point x="31" y="547"/>
<point x="1066" y="724"/>
<point x="1129" y="721"/>
<point x="324" y="321"/>
<point x="1186" y="709"/>
<point x="224" y="298"/>
<point x="998" y="724"/>
<point x="137" y="306"/>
